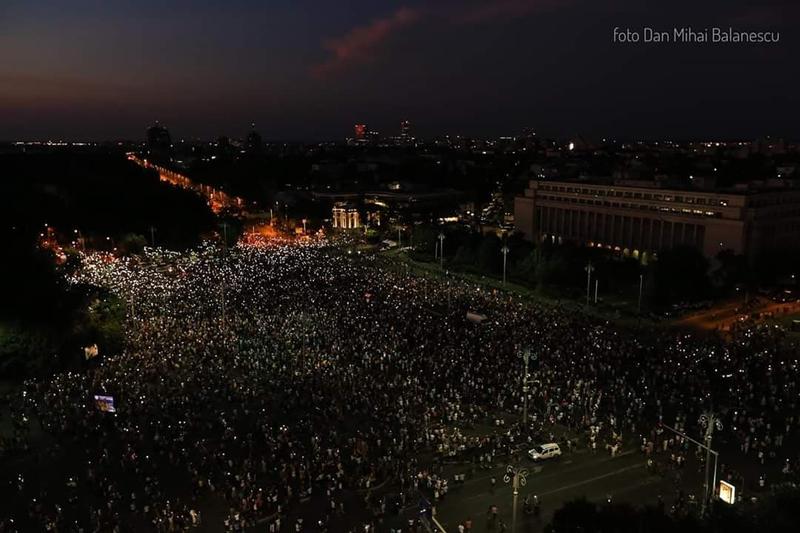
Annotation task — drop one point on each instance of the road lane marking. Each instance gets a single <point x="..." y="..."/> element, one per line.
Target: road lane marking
<point x="539" y="467"/>
<point x="573" y="485"/>
<point x="593" y="479"/>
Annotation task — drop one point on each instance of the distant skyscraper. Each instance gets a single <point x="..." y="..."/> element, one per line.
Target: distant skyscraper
<point x="224" y="148"/>
<point x="253" y="144"/>
<point x="405" y="129"/>
<point x="159" y="142"/>
<point x="360" y="131"/>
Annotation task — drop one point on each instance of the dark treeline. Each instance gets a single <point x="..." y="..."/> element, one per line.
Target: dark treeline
<point x="94" y="200"/>
<point x="269" y="176"/>
<point x="679" y="275"/>
<point x="100" y="195"/>
<point x="777" y="513"/>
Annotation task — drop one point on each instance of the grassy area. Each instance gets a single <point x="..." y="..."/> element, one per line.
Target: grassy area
<point x="31" y="349"/>
<point x="612" y="309"/>
<point x="26" y="350"/>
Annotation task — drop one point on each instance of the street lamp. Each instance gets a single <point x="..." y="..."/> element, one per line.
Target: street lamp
<point x="505" y="251"/>
<point x="441" y="250"/>
<point x="710" y="422"/>
<point x="641" y="285"/>
<point x="80" y="240"/>
<point x="526" y="356"/>
<point x="222" y="300"/>
<point x="589" y="269"/>
<point x="704" y="421"/>
<point x="518" y="478"/>
<point x="225" y="235"/>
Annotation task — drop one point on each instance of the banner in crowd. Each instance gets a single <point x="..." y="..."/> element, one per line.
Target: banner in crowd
<point x="90" y="352"/>
<point x="475" y="318"/>
<point x="104" y="403"/>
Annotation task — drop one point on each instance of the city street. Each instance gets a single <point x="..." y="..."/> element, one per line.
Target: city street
<point x="555" y="482"/>
<point x="724" y="315"/>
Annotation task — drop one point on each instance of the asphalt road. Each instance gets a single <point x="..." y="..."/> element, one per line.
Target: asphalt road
<point x="555" y="482"/>
<point x="724" y="315"/>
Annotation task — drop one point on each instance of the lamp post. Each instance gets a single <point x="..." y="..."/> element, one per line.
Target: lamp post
<point x="441" y="250"/>
<point x="641" y="286"/>
<point x="709" y="421"/>
<point x="133" y="307"/>
<point x="526" y="357"/>
<point x="222" y="300"/>
<point x="589" y="269"/>
<point x="505" y="251"/>
<point x="79" y="240"/>
<point x="518" y="478"/>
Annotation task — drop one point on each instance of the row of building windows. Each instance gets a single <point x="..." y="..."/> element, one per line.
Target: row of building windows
<point x="664" y="197"/>
<point x="627" y="205"/>
<point x="634" y="232"/>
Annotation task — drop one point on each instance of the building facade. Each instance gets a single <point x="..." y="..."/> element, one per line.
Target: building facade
<point x="640" y="221"/>
<point x="346" y="216"/>
<point x="159" y="143"/>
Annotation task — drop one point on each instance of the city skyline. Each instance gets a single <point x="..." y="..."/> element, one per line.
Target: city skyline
<point x="472" y="266"/>
<point x="303" y="71"/>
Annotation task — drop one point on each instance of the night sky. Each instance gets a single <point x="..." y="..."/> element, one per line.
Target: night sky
<point x="308" y="70"/>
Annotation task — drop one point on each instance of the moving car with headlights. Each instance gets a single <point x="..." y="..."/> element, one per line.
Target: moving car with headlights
<point x="545" y="451"/>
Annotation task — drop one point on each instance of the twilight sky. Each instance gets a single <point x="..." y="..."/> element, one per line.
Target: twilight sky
<point x="308" y="70"/>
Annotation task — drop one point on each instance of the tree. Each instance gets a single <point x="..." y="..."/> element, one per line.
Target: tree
<point x="524" y="270"/>
<point x="680" y="274"/>
<point x="465" y="256"/>
<point x="424" y="241"/>
<point x="230" y="229"/>
<point x="489" y="256"/>
<point x="731" y="270"/>
<point x="132" y="244"/>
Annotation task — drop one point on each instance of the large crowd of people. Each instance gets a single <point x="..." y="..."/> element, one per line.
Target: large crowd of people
<point x="275" y="387"/>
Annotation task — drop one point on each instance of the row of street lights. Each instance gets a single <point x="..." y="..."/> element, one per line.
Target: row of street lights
<point x="439" y="253"/>
<point x="589" y="268"/>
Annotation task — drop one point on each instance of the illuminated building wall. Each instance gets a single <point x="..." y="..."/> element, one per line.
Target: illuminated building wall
<point x="346" y="216"/>
<point x="639" y="221"/>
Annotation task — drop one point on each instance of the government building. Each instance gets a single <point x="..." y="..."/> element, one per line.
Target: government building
<point x="638" y="219"/>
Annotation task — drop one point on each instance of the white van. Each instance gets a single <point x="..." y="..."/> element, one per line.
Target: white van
<point x="545" y="451"/>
